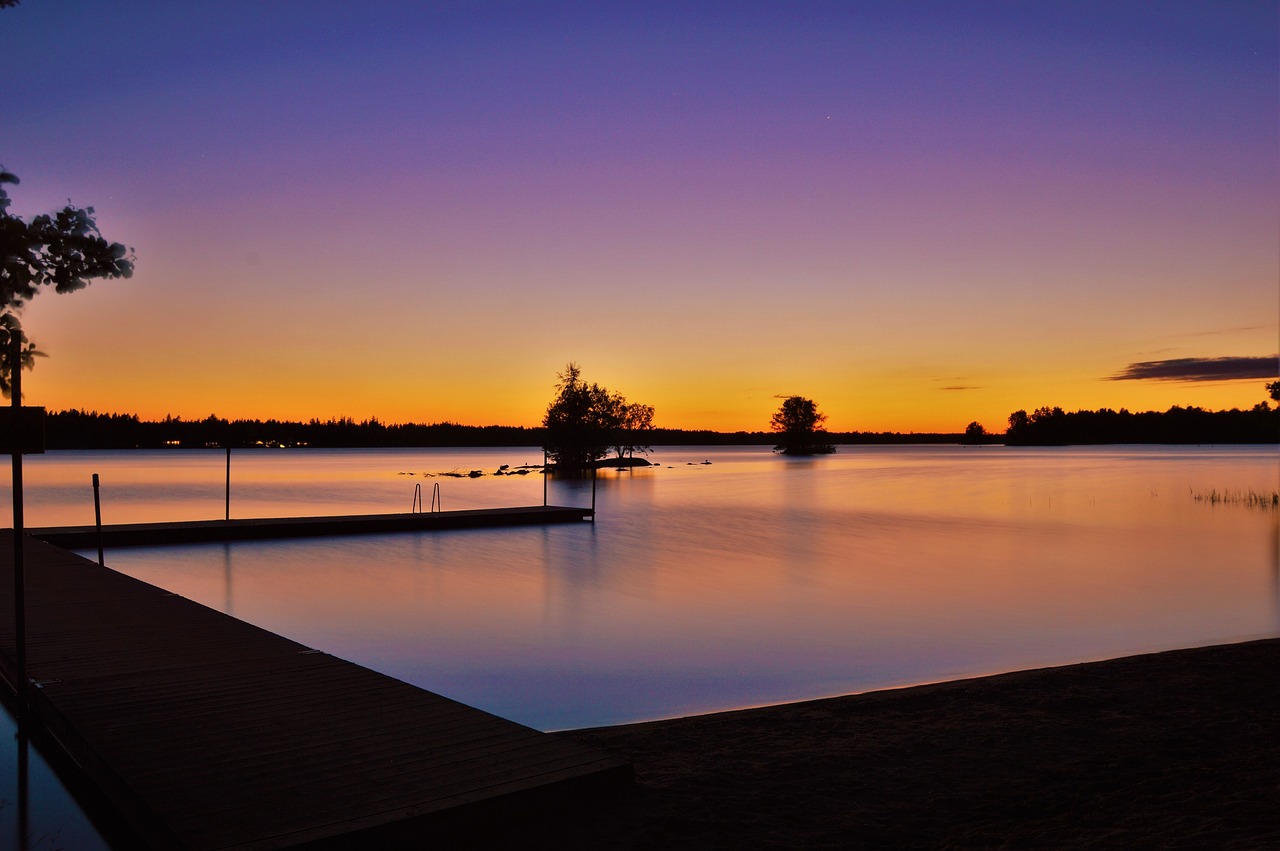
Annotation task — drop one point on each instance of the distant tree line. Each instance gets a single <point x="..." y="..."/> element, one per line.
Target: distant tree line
<point x="1056" y="427"/>
<point x="92" y="430"/>
<point x="1043" y="427"/>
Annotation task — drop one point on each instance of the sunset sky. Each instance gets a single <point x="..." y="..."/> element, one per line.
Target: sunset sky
<point x="916" y="213"/>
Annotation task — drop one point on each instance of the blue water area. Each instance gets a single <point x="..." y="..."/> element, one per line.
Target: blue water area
<point x="748" y="580"/>
<point x="37" y="812"/>
<point x="752" y="579"/>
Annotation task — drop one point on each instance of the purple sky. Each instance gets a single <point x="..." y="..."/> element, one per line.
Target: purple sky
<point x="919" y="214"/>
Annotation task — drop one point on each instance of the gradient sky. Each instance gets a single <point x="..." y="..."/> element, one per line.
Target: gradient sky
<point x="917" y="213"/>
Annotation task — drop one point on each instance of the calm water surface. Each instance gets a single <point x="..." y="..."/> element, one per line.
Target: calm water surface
<point x="750" y="580"/>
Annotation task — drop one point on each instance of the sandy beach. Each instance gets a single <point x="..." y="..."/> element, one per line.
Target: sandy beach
<point x="1171" y="750"/>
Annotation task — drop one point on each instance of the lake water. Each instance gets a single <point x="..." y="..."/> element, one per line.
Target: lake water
<point x="754" y="579"/>
<point x="750" y="580"/>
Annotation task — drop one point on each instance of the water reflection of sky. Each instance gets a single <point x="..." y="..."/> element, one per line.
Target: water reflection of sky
<point x="751" y="580"/>
<point x="36" y="811"/>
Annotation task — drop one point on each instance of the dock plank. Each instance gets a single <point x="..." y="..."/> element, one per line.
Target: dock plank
<point x="205" y="732"/>
<point x="270" y="528"/>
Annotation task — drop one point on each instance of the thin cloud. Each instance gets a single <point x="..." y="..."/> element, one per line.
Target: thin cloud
<point x="1221" y="331"/>
<point x="1200" y="369"/>
<point x="957" y="382"/>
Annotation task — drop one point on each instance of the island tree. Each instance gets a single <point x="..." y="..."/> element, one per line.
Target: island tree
<point x="635" y="424"/>
<point x="584" y="420"/>
<point x="974" y="433"/>
<point x="798" y="424"/>
<point x="64" y="250"/>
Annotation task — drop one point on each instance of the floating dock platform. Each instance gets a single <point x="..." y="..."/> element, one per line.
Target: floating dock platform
<point x="204" y="732"/>
<point x="258" y="529"/>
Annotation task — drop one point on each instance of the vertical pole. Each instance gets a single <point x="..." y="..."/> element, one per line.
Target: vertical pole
<point x="19" y="577"/>
<point x="226" y="573"/>
<point x="228" y="517"/>
<point x="97" y="518"/>
<point x="544" y="478"/>
<point x="594" y="468"/>
<point x="24" y="795"/>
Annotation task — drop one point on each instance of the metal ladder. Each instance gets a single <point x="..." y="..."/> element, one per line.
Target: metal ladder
<point x="437" y="504"/>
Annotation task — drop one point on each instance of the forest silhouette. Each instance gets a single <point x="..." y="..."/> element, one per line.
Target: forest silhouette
<point x="75" y="429"/>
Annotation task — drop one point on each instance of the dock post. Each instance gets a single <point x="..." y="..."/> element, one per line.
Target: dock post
<point x="19" y="577"/>
<point x="544" y="478"/>
<point x="594" y="469"/>
<point x="228" y="517"/>
<point x="24" y="786"/>
<point x="97" y="518"/>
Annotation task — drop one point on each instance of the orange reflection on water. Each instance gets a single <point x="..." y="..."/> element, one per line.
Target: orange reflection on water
<point x="759" y="579"/>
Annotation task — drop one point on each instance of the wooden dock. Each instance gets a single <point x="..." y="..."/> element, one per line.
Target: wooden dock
<point x="204" y="732"/>
<point x="257" y="529"/>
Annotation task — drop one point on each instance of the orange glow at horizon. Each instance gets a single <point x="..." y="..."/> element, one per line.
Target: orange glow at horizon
<point x="918" y="223"/>
<point x="364" y="375"/>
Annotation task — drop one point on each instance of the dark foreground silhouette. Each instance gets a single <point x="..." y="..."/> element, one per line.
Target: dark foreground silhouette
<point x="1173" y="750"/>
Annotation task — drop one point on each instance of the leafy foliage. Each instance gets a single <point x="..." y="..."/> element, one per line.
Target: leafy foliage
<point x="584" y="420"/>
<point x="1056" y="427"/>
<point x="636" y="423"/>
<point x="64" y="250"/>
<point x="799" y="426"/>
<point x="974" y="433"/>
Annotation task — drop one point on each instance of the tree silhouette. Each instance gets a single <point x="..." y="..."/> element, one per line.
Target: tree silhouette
<point x="799" y="426"/>
<point x="64" y="250"/>
<point x="974" y="433"/>
<point x="584" y="420"/>
<point x="635" y="423"/>
<point x="1055" y="427"/>
<point x="1019" y="424"/>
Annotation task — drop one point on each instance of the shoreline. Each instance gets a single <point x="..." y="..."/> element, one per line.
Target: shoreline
<point x="1173" y="749"/>
<point x="905" y="686"/>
